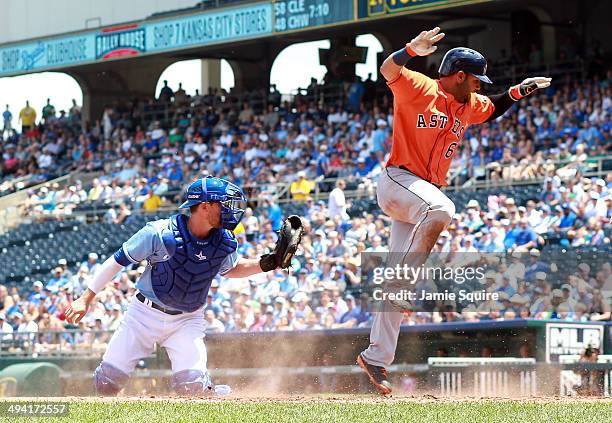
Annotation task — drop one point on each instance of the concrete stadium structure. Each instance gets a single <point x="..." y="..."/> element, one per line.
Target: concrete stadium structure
<point x="118" y="49"/>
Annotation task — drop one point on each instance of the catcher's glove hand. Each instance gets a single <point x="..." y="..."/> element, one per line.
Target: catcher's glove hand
<point x="288" y="241"/>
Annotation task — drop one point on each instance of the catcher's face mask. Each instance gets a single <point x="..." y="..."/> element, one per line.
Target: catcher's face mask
<point x="232" y="209"/>
<point x="228" y="195"/>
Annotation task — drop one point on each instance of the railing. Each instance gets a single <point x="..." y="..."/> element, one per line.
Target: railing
<point x="503" y="377"/>
<point x="592" y="167"/>
<point x="484" y="376"/>
<point x="9" y="204"/>
<point x="279" y="192"/>
<point x="54" y="343"/>
<point x="330" y="94"/>
<point x="203" y="4"/>
<point x="362" y="187"/>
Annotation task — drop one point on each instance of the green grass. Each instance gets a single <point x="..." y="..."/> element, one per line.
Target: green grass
<point x="370" y="410"/>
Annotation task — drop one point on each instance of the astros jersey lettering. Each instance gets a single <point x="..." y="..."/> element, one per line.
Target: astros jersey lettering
<point x="429" y="123"/>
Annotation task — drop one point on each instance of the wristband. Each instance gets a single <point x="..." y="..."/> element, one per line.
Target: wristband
<point x="410" y="51"/>
<point x="515" y="92"/>
<point x="402" y="56"/>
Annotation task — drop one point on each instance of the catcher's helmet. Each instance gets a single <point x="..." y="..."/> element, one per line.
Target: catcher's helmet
<point x="212" y="189"/>
<point x="467" y="60"/>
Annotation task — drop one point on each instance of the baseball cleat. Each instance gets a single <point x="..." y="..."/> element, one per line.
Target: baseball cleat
<point x="377" y="376"/>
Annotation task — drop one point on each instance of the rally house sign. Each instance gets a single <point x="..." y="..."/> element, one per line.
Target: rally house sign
<point x="122" y="41"/>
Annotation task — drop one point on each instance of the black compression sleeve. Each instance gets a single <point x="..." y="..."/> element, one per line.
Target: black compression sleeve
<point x="502" y="103"/>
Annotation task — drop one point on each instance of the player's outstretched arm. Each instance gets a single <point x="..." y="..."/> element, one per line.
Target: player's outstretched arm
<point x="421" y="45"/>
<point x="528" y="86"/>
<point x="244" y="268"/>
<point x="505" y="100"/>
<point x="105" y="273"/>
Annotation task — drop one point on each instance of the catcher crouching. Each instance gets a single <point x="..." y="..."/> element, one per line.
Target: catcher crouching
<point x="183" y="254"/>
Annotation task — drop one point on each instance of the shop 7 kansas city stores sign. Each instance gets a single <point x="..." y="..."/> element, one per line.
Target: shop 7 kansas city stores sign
<point x="571" y="339"/>
<point x="120" y="41"/>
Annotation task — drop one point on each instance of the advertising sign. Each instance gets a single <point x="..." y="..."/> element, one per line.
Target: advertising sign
<point x="571" y="339"/>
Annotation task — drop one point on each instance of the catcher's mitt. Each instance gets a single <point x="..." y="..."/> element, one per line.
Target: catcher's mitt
<point x="288" y="241"/>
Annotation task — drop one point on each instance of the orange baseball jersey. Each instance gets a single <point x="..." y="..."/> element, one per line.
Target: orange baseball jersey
<point x="428" y="124"/>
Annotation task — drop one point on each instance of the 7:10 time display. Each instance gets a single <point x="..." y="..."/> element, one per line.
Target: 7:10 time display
<point x="292" y="15"/>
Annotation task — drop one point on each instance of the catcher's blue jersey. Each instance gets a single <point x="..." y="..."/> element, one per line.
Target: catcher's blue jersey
<point x="178" y="279"/>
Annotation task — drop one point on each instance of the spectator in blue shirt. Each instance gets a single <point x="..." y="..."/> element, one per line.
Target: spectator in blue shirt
<point x="371" y="161"/>
<point x="282" y="133"/>
<point x="590" y="135"/>
<point x="275" y="214"/>
<point x="210" y="305"/>
<point x="497" y="152"/>
<point x="175" y="174"/>
<point x="535" y="265"/>
<point x="507" y="286"/>
<point x="526" y="238"/>
<point x="150" y="145"/>
<point x="58" y="280"/>
<point x="606" y="126"/>
<point x="37" y="295"/>
<point x="243" y="244"/>
<point x="550" y="195"/>
<point x="217" y="296"/>
<point x="511" y="234"/>
<point x="354" y="316"/>
<point x="323" y="162"/>
<point x="7" y="117"/>
<point x="355" y="93"/>
<point x="379" y="137"/>
<point x="568" y="218"/>
<point x="361" y="169"/>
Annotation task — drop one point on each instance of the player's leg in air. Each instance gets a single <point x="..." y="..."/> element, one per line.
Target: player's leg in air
<point x="419" y="212"/>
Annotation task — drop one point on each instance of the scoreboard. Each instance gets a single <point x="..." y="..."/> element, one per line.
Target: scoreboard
<point x="295" y="15"/>
<point x="291" y="15"/>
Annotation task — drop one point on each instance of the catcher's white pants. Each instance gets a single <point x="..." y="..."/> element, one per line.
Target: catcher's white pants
<point x="419" y="212"/>
<point x="182" y="336"/>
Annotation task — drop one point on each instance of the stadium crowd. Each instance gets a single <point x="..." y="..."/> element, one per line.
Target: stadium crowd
<point x="568" y="124"/>
<point x="553" y="135"/>
<point x="325" y="289"/>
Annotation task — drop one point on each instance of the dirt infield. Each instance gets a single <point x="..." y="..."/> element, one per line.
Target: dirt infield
<point x="305" y="399"/>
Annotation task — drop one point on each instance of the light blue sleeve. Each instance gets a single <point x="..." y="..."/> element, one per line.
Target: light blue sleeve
<point x="143" y="244"/>
<point x="229" y="263"/>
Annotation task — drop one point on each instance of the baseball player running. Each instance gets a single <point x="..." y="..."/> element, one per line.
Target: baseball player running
<point x="430" y="118"/>
<point x="183" y="254"/>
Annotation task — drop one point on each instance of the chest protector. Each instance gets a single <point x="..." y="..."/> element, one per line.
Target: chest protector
<point x="182" y="282"/>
